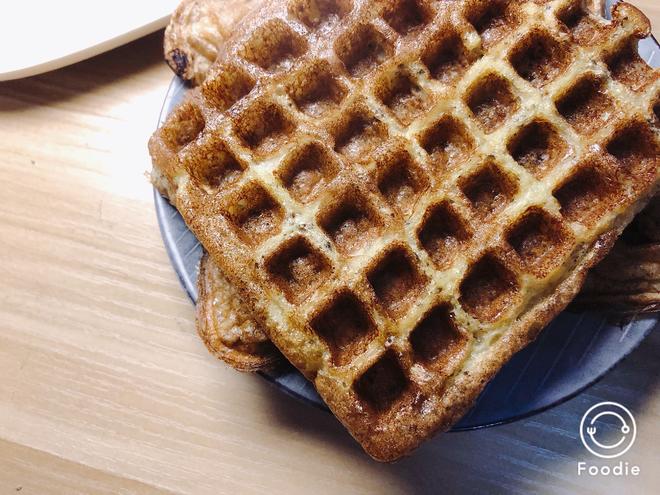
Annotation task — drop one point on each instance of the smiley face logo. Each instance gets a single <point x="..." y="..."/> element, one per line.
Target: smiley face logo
<point x="608" y="430"/>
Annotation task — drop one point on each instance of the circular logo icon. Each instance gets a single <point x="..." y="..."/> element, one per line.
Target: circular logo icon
<point x="608" y="430"/>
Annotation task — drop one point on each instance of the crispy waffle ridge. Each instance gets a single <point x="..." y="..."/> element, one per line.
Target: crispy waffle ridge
<point x="406" y="193"/>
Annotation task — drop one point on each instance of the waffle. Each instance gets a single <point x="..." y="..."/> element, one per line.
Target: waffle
<point x="406" y="193"/>
<point x="628" y="280"/>
<point x="195" y="30"/>
<point x="227" y="329"/>
<point x="198" y="27"/>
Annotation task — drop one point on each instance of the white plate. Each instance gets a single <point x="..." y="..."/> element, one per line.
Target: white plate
<point x="41" y="35"/>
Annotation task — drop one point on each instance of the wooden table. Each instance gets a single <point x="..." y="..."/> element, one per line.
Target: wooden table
<point x="104" y="386"/>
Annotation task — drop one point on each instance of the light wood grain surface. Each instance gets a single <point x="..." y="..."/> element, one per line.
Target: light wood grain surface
<point x="104" y="386"/>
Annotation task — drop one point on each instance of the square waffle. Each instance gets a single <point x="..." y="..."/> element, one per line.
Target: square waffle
<point x="625" y="283"/>
<point x="406" y="192"/>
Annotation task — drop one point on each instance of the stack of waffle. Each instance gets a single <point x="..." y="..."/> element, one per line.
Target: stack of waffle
<point x="401" y="193"/>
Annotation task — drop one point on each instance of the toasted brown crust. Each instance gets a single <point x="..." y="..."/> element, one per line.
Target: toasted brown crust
<point x="627" y="281"/>
<point x="226" y="325"/>
<point x="195" y="30"/>
<point x="229" y="332"/>
<point x="459" y="397"/>
<point x="499" y="290"/>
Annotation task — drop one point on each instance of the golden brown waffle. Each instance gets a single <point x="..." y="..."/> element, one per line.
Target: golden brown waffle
<point x="195" y="31"/>
<point x="227" y="326"/>
<point x="228" y="330"/>
<point x="628" y="280"/>
<point x="198" y="27"/>
<point x="406" y="193"/>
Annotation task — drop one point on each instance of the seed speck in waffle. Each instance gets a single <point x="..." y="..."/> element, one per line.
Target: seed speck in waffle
<point x="405" y="192"/>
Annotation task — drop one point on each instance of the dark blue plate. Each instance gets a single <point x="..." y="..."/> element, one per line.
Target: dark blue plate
<point x="573" y="352"/>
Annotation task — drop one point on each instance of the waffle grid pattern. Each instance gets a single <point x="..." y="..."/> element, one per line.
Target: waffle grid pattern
<point x="408" y="179"/>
